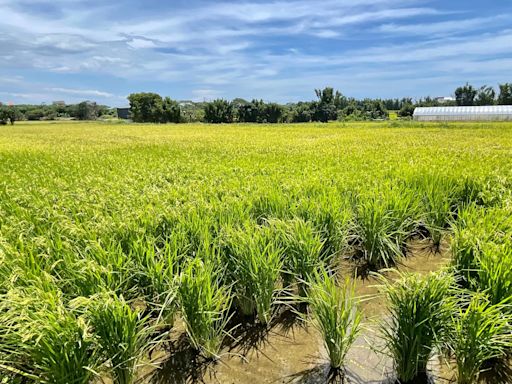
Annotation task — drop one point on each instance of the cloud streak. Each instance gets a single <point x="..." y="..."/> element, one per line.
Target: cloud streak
<point x="275" y="50"/>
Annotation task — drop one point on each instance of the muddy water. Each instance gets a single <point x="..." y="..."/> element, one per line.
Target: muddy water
<point x="292" y="352"/>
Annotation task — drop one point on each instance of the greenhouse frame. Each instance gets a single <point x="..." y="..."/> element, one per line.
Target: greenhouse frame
<point x="476" y="113"/>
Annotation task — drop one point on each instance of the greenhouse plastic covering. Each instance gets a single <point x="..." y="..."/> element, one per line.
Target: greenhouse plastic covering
<point x="489" y="112"/>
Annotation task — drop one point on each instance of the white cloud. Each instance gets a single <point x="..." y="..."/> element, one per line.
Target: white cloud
<point x="141" y="43"/>
<point x="81" y="92"/>
<point x="250" y="48"/>
<point x="444" y="27"/>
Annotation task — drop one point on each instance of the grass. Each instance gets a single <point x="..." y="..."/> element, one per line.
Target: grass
<point x="194" y="222"/>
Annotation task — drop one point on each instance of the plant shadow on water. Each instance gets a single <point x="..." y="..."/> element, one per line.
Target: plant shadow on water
<point x="496" y="371"/>
<point x="183" y="365"/>
<point x="248" y="336"/>
<point x="324" y="374"/>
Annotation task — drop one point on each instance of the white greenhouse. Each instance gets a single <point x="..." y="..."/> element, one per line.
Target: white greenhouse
<point x="477" y="113"/>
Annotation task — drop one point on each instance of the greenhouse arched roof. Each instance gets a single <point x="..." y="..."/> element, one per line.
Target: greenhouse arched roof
<point x="457" y="111"/>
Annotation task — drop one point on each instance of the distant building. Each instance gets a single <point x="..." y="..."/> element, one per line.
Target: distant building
<point x="444" y="99"/>
<point x="476" y="113"/>
<point x="59" y="103"/>
<point x="123" y="113"/>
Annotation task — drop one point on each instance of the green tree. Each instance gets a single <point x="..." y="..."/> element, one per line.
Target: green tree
<point x="407" y="110"/>
<point x="465" y="95"/>
<point x="218" y="111"/>
<point x="248" y="112"/>
<point x="326" y="107"/>
<point x="171" y="112"/>
<point x="486" y="95"/>
<point x="146" y="107"/>
<point x="272" y="113"/>
<point x="505" y="96"/>
<point x="87" y="110"/>
<point x="9" y="114"/>
<point x="302" y="112"/>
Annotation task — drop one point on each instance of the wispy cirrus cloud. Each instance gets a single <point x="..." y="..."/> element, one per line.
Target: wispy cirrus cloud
<point x="272" y="49"/>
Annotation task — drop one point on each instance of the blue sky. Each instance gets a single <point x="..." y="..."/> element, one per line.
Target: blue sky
<point x="276" y="50"/>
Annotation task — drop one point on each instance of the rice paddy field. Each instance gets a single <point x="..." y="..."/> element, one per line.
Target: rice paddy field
<point x="311" y="253"/>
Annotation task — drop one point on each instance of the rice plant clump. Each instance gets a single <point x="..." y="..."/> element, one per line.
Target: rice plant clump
<point x="475" y="231"/>
<point x="204" y="304"/>
<point x="480" y="332"/>
<point x="495" y="274"/>
<point x="439" y="204"/>
<point x="301" y="251"/>
<point x="335" y="315"/>
<point x="43" y="340"/>
<point x="255" y="265"/>
<point x="381" y="231"/>
<point x="124" y="335"/>
<point x="419" y="311"/>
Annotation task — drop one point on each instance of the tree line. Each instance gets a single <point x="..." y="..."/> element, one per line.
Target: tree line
<point x="329" y="105"/>
<point x="86" y="110"/>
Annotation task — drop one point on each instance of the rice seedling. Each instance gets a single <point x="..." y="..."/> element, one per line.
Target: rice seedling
<point x="255" y="267"/>
<point x="335" y="315"/>
<point x="204" y="304"/>
<point x="419" y="313"/>
<point x="480" y="332"/>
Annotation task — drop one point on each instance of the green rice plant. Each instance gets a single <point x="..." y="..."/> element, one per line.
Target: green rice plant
<point x="335" y="315"/>
<point x="439" y="204"/>
<point x="43" y="341"/>
<point x="155" y="276"/>
<point x="420" y="311"/>
<point x="381" y="235"/>
<point x="255" y="267"/>
<point x="474" y="230"/>
<point x="495" y="274"/>
<point x="124" y="336"/>
<point x="204" y="304"/>
<point x="480" y="333"/>
<point x="301" y="251"/>
<point x="331" y="216"/>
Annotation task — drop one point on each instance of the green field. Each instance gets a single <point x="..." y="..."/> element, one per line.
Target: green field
<point x="116" y="239"/>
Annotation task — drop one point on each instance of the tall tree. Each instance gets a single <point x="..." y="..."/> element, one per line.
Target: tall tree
<point x="146" y="107"/>
<point x="486" y="95"/>
<point x="87" y="110"/>
<point x="326" y="108"/>
<point x="465" y="95"/>
<point x="218" y="111"/>
<point x="505" y="96"/>
<point x="9" y="114"/>
<point x="171" y="112"/>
